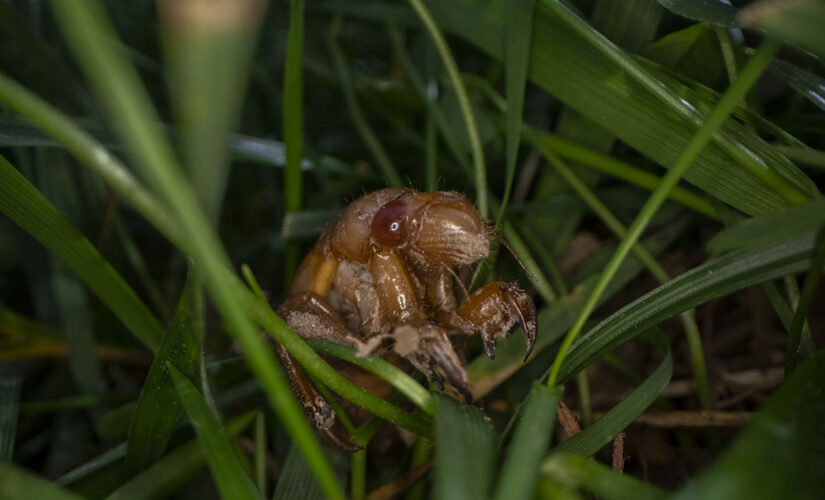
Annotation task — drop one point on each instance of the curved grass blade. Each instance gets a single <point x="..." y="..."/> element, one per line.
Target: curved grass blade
<point x="579" y="472"/>
<point x="769" y="228"/>
<point x="697" y="143"/>
<point x="18" y="483"/>
<point x="90" y="35"/>
<point x="573" y="69"/>
<point x="465" y="446"/>
<point x="23" y="204"/>
<point x="162" y="478"/>
<point x="779" y="453"/>
<point x="715" y="278"/>
<point x="531" y="439"/>
<point x="809" y="85"/>
<point x="158" y="409"/>
<point x="603" y="430"/>
<point x="707" y="11"/>
<point x="229" y="475"/>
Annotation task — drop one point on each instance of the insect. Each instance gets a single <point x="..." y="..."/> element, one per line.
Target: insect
<point x="383" y="270"/>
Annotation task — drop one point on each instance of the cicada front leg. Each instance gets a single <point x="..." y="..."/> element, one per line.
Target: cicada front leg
<point x="493" y="310"/>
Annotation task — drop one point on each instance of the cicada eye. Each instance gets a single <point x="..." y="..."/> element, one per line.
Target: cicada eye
<point x="389" y="226"/>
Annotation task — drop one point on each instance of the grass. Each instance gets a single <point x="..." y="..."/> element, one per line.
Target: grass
<point x="607" y="173"/>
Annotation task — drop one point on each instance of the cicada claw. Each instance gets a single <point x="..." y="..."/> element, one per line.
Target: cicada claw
<point x="494" y="309"/>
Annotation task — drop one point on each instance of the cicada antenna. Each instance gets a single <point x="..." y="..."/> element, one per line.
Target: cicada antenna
<point x="513" y="253"/>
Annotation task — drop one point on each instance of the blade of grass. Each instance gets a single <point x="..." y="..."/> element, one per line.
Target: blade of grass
<point x="715" y="278"/>
<point x="769" y="228"/>
<point x="199" y="39"/>
<point x="735" y="93"/>
<point x="603" y="430"/>
<point x="447" y="59"/>
<point x="260" y="453"/>
<point x="379" y="154"/>
<point x="9" y="409"/>
<point x="519" y="31"/>
<point x="230" y="477"/>
<point x="293" y="126"/>
<point x="387" y="371"/>
<point x="812" y="278"/>
<point x="464" y="451"/>
<point x="780" y="451"/>
<point x="18" y="483"/>
<point x="95" y="156"/>
<point x="531" y="439"/>
<point x="89" y="35"/>
<point x="428" y="93"/>
<point x="617" y="168"/>
<point x="577" y="471"/>
<point x="694" y="339"/>
<point x="158" y="410"/>
<point x="570" y="66"/>
<point x="163" y="477"/>
<point x="23" y="204"/>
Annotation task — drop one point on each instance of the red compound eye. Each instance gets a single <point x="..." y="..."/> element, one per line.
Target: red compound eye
<point x="389" y="228"/>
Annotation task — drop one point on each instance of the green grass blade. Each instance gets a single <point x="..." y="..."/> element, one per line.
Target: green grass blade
<point x="17" y="483"/>
<point x="568" y="65"/>
<point x="405" y="384"/>
<point x="517" y="56"/>
<point x="163" y="477"/>
<point x="709" y="11"/>
<point x="779" y="453"/>
<point x="158" y="410"/>
<point x="293" y="127"/>
<point x="207" y="54"/>
<point x="9" y="409"/>
<point x="797" y="22"/>
<point x="720" y="114"/>
<point x="809" y="85"/>
<point x="603" y="430"/>
<point x="769" y="228"/>
<point x="293" y="116"/>
<point x="296" y="481"/>
<point x="447" y="59"/>
<point x="379" y="154"/>
<point x="531" y="439"/>
<point x="812" y="278"/>
<point x="23" y="204"/>
<point x="230" y="477"/>
<point x="617" y="168"/>
<point x="117" y="83"/>
<point x="578" y="472"/>
<point x="715" y="278"/>
<point x="464" y="452"/>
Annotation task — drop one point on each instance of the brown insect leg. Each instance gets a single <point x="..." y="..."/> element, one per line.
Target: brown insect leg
<point x="318" y="410"/>
<point x="493" y="309"/>
<point x="314" y="319"/>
